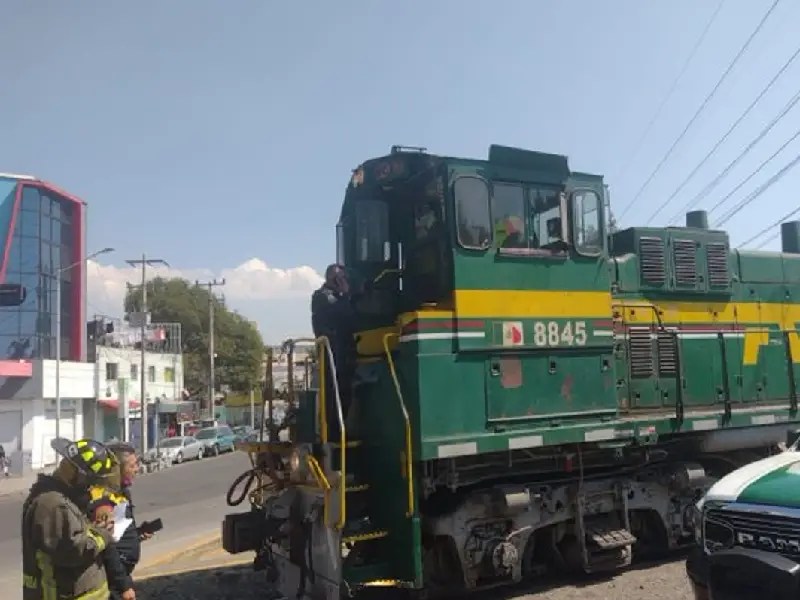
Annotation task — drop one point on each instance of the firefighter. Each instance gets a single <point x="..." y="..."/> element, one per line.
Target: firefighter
<point x="62" y="551"/>
<point x="332" y="316"/>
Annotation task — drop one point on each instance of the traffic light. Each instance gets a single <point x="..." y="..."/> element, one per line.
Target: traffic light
<point x="12" y="294"/>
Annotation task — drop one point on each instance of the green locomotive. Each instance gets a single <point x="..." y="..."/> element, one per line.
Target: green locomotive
<point x="534" y="392"/>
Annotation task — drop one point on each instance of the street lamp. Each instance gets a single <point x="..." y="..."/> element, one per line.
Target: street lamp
<point x="58" y="331"/>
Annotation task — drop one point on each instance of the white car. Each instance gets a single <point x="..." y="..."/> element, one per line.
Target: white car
<point x="179" y="449"/>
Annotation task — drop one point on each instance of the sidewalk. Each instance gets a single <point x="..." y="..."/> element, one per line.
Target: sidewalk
<point x="14" y="484"/>
<point x="203" y="555"/>
<point x="205" y="572"/>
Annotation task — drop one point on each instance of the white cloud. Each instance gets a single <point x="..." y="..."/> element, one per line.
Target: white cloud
<point x="248" y="287"/>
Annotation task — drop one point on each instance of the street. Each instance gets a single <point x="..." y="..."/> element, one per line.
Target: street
<point x="189" y="498"/>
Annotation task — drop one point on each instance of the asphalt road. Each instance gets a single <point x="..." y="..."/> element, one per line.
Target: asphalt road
<point x="189" y="499"/>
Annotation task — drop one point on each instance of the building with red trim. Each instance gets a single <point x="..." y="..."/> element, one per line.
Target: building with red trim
<point x="42" y="237"/>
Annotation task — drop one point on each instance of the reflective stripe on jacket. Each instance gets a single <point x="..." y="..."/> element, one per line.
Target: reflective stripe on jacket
<point x="61" y="551"/>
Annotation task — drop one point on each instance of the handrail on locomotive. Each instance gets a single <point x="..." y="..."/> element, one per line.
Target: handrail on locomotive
<point x="409" y="459"/>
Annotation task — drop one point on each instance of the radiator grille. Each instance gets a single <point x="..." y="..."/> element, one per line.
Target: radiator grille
<point x="772" y="533"/>
<point x="684" y="254"/>
<point x="667" y="354"/>
<point x="717" y="257"/>
<point x="651" y="257"/>
<point x="641" y="352"/>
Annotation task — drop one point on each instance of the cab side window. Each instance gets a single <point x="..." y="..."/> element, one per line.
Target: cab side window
<point x="508" y="215"/>
<point x="587" y="215"/>
<point x="545" y="207"/>
<point x="473" y="218"/>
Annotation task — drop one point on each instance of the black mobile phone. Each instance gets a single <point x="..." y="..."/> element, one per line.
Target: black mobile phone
<point x="151" y="526"/>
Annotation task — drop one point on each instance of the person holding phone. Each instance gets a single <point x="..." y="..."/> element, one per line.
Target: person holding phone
<point x="333" y="316"/>
<point x="129" y="545"/>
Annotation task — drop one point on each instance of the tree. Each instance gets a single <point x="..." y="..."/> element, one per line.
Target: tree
<point x="237" y="343"/>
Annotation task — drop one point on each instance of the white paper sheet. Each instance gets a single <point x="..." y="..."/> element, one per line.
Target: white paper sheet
<point x="121" y="523"/>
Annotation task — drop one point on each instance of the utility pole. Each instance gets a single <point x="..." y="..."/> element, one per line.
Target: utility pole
<point x="211" y="383"/>
<point x="143" y="317"/>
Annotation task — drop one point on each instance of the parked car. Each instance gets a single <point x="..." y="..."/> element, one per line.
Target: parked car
<point x="241" y="431"/>
<point x="180" y="448"/>
<point x="217" y="439"/>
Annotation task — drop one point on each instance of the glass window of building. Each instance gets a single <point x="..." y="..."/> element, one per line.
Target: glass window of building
<point x="41" y="245"/>
<point x="111" y="371"/>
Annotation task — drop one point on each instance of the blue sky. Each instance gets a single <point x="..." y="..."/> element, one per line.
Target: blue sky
<point x="214" y="133"/>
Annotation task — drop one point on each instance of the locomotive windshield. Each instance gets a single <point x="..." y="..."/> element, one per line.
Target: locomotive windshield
<point x="372" y="232"/>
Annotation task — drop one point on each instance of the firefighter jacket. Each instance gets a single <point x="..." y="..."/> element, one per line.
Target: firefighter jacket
<point x="62" y="552"/>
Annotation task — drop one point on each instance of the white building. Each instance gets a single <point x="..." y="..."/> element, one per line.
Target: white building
<point x="89" y="400"/>
<point x="28" y="419"/>
<point x="117" y="377"/>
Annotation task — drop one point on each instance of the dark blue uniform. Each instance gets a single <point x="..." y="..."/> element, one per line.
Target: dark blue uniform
<point x="332" y="315"/>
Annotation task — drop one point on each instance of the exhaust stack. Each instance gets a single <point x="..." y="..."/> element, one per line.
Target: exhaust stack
<point x="697" y="219"/>
<point x="790" y="237"/>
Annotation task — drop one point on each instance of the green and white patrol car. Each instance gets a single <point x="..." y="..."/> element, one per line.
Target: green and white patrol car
<point x="748" y="532"/>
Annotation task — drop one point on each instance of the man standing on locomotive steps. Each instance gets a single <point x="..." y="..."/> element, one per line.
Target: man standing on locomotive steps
<point x="332" y="315"/>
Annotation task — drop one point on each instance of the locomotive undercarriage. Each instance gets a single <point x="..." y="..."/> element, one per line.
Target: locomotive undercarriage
<point x="594" y="515"/>
<point x="572" y="510"/>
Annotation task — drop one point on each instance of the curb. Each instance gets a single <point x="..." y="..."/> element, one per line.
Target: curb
<point x="198" y="545"/>
<point x="226" y="562"/>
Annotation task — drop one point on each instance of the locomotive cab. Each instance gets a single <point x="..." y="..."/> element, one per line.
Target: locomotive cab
<point x="415" y="229"/>
<point x="392" y="237"/>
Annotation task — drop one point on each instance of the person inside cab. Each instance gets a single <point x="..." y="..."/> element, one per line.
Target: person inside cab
<point x="333" y="316"/>
<point x="510" y="233"/>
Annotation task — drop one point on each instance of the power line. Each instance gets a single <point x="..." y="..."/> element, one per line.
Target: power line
<point x="736" y="123"/>
<point x="775" y="224"/>
<point x="755" y="172"/>
<point x="700" y="109"/>
<point x="768" y="240"/>
<point x="720" y="176"/>
<point x="671" y="91"/>
<point x="759" y="190"/>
